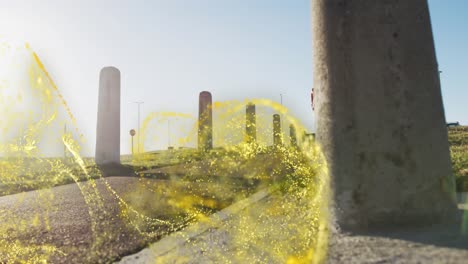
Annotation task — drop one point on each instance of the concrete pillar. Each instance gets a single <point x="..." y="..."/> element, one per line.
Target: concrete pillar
<point x="277" y="137"/>
<point x="292" y="135"/>
<point x="205" y="122"/>
<point x="108" y="120"/>
<point x="380" y="119"/>
<point x="250" y="123"/>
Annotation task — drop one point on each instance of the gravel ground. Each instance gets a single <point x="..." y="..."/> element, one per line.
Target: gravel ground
<point x="431" y="245"/>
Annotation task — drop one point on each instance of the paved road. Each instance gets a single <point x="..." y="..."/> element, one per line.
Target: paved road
<point x="264" y="233"/>
<point x="61" y="218"/>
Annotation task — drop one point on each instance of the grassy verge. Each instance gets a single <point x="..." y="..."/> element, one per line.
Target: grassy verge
<point x="458" y="140"/>
<point x="124" y="214"/>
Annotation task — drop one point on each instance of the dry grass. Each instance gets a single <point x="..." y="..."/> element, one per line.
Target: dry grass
<point x="458" y="140"/>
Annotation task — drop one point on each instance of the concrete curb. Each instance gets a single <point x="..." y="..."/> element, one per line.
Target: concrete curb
<point x="178" y="239"/>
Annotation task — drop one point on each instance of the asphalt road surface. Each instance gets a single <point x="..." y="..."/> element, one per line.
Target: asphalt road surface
<point x="91" y="230"/>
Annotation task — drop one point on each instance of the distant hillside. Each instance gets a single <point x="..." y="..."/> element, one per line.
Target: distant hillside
<point x="458" y="140"/>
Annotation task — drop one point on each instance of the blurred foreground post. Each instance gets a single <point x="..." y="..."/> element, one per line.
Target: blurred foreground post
<point x="380" y="118"/>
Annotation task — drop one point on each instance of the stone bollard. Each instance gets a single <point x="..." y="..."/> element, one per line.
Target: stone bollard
<point x="205" y="122"/>
<point x="380" y="118"/>
<point x="108" y="120"/>
<point x="277" y="137"/>
<point x="250" y="123"/>
<point x="292" y="136"/>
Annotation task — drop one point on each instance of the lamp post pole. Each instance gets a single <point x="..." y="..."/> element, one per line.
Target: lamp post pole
<point x="168" y="133"/>
<point x="132" y="133"/>
<point x="139" y="128"/>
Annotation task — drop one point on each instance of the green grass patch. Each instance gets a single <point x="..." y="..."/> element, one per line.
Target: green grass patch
<point x="458" y="140"/>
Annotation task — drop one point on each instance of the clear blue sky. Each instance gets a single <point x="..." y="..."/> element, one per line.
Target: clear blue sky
<point x="450" y="26"/>
<point x="170" y="50"/>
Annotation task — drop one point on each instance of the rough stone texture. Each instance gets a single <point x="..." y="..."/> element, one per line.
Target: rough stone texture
<point x="250" y="123"/>
<point x="380" y="119"/>
<point x="205" y="121"/>
<point x="277" y="138"/>
<point x="108" y="121"/>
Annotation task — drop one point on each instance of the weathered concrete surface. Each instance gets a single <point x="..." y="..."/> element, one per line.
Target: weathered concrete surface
<point x="205" y="121"/>
<point x="380" y="119"/>
<point x="250" y="123"/>
<point x="108" y="121"/>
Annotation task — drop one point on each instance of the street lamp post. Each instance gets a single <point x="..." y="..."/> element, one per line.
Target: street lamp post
<point x="139" y="128"/>
<point x="168" y="133"/>
<point x="132" y="133"/>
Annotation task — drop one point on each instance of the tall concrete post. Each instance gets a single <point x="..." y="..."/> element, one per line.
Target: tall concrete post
<point x="250" y="123"/>
<point x="108" y="120"/>
<point x="205" y="122"/>
<point x="277" y="137"/>
<point x="292" y="135"/>
<point x="380" y="118"/>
